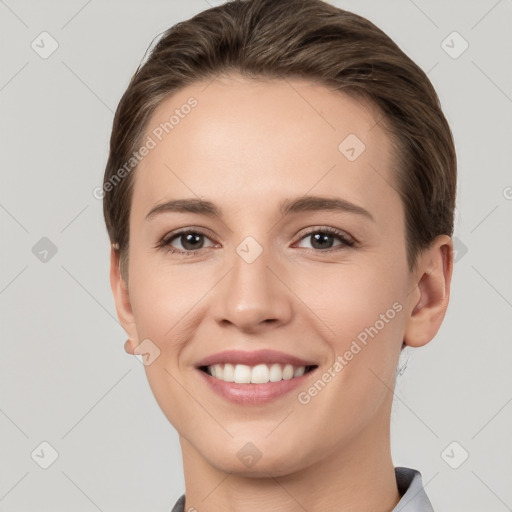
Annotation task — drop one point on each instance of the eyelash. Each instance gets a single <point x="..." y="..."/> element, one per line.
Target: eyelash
<point x="165" y="243"/>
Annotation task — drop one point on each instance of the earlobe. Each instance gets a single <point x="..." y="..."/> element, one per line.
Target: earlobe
<point x="122" y="301"/>
<point x="129" y="347"/>
<point x="429" y="301"/>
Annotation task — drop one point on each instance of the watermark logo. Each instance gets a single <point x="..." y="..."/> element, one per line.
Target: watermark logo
<point x="454" y="455"/>
<point x="454" y="45"/>
<point x="44" y="45"/>
<point x="44" y="455"/>
<point x="351" y="147"/>
<point x="249" y="454"/>
<point x="146" y="352"/>
<point x="249" y="249"/>
<point x="44" y="250"/>
<point x="460" y="249"/>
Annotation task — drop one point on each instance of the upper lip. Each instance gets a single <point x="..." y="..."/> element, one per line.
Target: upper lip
<point x="252" y="358"/>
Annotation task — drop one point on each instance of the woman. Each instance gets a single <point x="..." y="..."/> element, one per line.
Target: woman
<point x="279" y="196"/>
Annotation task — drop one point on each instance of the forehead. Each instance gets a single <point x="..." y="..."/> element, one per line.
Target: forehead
<point x="244" y="141"/>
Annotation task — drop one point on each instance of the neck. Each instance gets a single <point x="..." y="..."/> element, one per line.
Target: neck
<point x="358" y="476"/>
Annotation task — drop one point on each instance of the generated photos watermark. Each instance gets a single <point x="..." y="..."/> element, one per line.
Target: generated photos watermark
<point x="358" y="343"/>
<point x="150" y="143"/>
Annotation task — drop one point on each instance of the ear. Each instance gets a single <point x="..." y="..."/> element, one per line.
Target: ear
<point x="122" y="302"/>
<point x="430" y="282"/>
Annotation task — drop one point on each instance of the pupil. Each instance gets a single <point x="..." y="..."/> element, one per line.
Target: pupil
<point x="321" y="236"/>
<point x="189" y="239"/>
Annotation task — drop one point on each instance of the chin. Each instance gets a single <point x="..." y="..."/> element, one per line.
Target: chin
<point x="246" y="459"/>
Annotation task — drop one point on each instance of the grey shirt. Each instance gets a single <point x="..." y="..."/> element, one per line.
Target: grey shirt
<point x="410" y="487"/>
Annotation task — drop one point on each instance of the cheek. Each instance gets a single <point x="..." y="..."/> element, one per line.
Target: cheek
<point x="163" y="296"/>
<point x="350" y="298"/>
<point x="363" y="306"/>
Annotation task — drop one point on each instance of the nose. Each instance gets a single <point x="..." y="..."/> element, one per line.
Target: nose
<point x="253" y="295"/>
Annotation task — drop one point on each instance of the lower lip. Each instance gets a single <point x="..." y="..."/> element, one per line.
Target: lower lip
<point x="253" y="393"/>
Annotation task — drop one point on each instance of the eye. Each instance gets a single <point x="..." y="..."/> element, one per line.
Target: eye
<point x="191" y="241"/>
<point x="322" y="239"/>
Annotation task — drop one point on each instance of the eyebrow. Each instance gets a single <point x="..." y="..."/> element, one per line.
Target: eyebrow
<point x="287" y="207"/>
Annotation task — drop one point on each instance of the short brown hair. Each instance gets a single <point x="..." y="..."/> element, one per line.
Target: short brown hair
<point x="308" y="39"/>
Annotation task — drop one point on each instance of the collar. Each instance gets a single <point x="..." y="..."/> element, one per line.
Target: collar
<point x="410" y="487"/>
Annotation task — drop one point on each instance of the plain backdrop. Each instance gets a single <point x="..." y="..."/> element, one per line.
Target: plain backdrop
<point x="65" y="379"/>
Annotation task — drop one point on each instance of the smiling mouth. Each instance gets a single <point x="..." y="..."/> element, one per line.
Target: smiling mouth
<point x="258" y="374"/>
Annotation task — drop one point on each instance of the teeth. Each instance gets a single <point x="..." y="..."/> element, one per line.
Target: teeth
<point x="242" y="374"/>
<point x="229" y="373"/>
<point x="259" y="374"/>
<point x="276" y="374"/>
<point x="300" y="370"/>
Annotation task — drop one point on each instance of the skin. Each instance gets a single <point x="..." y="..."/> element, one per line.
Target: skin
<point x="247" y="146"/>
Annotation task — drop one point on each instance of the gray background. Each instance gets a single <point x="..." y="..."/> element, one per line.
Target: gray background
<point x="64" y="376"/>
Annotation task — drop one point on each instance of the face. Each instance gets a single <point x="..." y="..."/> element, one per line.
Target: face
<point x="267" y="271"/>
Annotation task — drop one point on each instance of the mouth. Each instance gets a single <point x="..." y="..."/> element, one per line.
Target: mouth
<point x="257" y="374"/>
<point x="254" y="377"/>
